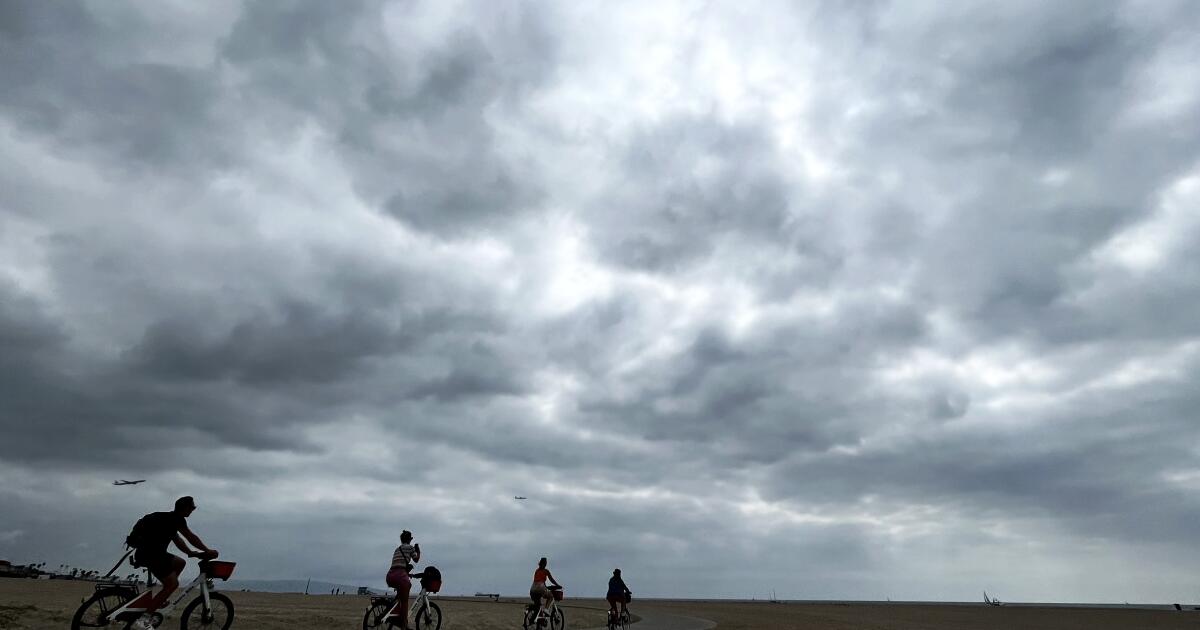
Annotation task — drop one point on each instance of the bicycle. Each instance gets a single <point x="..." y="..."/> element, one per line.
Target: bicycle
<point x="535" y="617"/>
<point x="119" y="604"/>
<point x="620" y="621"/>
<point x="385" y="611"/>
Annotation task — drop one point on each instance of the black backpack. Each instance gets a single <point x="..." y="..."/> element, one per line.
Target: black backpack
<point x="151" y="530"/>
<point x="140" y="534"/>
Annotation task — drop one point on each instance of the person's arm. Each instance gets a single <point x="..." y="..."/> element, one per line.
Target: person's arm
<point x="187" y="551"/>
<point x="416" y="553"/>
<point x="195" y="540"/>
<point x="551" y="578"/>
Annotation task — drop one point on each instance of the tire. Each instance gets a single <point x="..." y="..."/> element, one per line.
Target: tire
<point x="221" y="614"/>
<point x="373" y="618"/>
<point x="93" y="613"/>
<point x="429" y="618"/>
<point x="558" y="621"/>
<point x="530" y="618"/>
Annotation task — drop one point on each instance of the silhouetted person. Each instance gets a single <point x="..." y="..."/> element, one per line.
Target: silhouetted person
<point x="150" y="538"/>
<point x="617" y="593"/>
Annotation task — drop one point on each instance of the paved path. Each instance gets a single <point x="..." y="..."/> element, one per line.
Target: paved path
<point x="662" y="621"/>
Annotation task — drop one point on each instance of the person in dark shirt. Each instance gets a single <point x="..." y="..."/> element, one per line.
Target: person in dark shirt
<point x="617" y="593"/>
<point x="161" y="529"/>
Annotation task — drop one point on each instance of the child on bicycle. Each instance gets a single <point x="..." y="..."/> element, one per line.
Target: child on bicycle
<point x="398" y="576"/>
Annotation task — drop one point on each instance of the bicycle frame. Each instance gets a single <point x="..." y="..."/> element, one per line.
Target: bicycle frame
<point x="548" y="610"/>
<point x="393" y="613"/>
<point x="138" y="604"/>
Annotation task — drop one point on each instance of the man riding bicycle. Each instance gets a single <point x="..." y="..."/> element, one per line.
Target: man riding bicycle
<point x="150" y="538"/>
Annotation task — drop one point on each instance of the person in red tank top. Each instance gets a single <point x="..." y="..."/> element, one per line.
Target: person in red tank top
<point x="538" y="592"/>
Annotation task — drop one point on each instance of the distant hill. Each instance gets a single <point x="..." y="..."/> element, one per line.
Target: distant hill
<point x="288" y="586"/>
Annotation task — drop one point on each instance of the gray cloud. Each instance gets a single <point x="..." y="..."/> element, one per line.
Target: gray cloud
<point x="896" y="294"/>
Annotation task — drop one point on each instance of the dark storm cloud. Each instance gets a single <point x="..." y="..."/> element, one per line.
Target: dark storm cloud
<point x="687" y="185"/>
<point x="330" y="266"/>
<point x="68" y="77"/>
<point x="385" y="100"/>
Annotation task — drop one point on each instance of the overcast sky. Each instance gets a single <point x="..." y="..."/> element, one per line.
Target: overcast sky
<point x="843" y="300"/>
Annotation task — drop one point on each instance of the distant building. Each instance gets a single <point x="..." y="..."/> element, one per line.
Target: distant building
<point x="362" y="590"/>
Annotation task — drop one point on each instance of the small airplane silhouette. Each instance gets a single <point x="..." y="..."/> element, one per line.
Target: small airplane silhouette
<point x="123" y="482"/>
<point x="520" y="498"/>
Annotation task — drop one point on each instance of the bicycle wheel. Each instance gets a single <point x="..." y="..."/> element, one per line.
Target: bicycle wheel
<point x="558" y="620"/>
<point x="218" y="616"/>
<point x="429" y="618"/>
<point x="94" y="612"/>
<point x="373" y="618"/>
<point x="530" y="619"/>
<point x="625" y="621"/>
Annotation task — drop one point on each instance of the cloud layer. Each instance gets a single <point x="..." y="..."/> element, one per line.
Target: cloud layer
<point x="884" y="300"/>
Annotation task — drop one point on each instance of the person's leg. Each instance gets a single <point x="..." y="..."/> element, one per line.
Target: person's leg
<point x="167" y="571"/>
<point x="405" y="587"/>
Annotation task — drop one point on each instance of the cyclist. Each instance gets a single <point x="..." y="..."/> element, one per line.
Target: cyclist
<point x="538" y="591"/>
<point x="154" y="532"/>
<point x="398" y="576"/>
<point x="617" y="593"/>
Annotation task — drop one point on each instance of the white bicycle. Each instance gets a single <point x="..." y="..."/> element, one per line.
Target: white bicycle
<point x="537" y="618"/>
<point x="384" y="612"/>
<point x="119" y="606"/>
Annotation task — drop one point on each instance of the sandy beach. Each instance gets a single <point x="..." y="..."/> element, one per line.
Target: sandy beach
<point x="46" y="605"/>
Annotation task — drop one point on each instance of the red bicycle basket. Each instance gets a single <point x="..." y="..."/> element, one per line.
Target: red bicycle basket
<point x="558" y="595"/>
<point x="433" y="586"/>
<point x="218" y="569"/>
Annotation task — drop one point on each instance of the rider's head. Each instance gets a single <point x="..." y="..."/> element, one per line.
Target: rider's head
<point x="406" y="536"/>
<point x="617" y="572"/>
<point x="185" y="506"/>
<point x="542" y="563"/>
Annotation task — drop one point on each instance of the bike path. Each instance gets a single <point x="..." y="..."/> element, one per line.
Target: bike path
<point x="651" y="620"/>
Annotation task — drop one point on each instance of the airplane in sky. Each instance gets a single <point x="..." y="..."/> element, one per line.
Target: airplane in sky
<point x="123" y="482"/>
<point x="520" y="498"/>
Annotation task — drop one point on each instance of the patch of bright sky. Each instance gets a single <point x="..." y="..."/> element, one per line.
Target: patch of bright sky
<point x="38" y="166"/>
<point x="1147" y="246"/>
<point x="573" y="275"/>
<point x="1165" y="89"/>
<point x="994" y="367"/>
<point x="1186" y="479"/>
<point x="1159" y="364"/>
<point x="302" y="193"/>
<point x="893" y="521"/>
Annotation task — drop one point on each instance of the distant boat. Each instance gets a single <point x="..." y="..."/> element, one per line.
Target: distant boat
<point x="991" y="601"/>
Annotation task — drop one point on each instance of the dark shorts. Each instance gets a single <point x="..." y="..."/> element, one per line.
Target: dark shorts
<point x="160" y="563"/>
